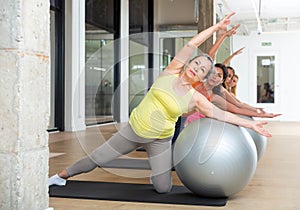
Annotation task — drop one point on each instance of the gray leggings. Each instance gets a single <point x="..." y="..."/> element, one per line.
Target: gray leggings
<point x="158" y="150"/>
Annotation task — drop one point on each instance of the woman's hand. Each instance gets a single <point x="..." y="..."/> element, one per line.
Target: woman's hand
<point x="222" y="25"/>
<point x="260" y="110"/>
<point x="239" y="51"/>
<point x="268" y="115"/>
<point x="232" y="31"/>
<point x="262" y="113"/>
<point x="259" y="128"/>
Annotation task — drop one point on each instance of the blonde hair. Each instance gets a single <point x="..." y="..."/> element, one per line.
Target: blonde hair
<point x="233" y="89"/>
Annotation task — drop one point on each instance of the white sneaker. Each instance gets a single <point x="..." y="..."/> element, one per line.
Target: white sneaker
<point x="56" y="180"/>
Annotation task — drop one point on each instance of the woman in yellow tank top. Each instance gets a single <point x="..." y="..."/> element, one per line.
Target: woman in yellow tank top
<point x="152" y="123"/>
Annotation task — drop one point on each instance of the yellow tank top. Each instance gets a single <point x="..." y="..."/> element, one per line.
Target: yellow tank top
<point x="156" y="115"/>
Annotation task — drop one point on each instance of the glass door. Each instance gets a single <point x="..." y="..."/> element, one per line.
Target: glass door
<point x="98" y="78"/>
<point x="140" y="50"/>
<point x="100" y="33"/>
<point x="267" y="81"/>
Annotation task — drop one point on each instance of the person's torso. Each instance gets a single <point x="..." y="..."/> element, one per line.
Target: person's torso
<point x="156" y="115"/>
<point x="199" y="86"/>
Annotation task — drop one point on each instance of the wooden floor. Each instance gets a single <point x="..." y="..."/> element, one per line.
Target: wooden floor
<point x="275" y="185"/>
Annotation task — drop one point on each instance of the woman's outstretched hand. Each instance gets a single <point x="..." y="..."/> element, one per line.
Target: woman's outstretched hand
<point x="239" y="51"/>
<point x="258" y="126"/>
<point x="222" y="25"/>
<point x="232" y="31"/>
<point x="269" y="115"/>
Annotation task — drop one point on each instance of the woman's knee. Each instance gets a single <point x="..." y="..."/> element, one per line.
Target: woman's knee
<point x="163" y="188"/>
<point x="162" y="183"/>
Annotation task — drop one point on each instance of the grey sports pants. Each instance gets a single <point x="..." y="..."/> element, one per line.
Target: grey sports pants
<point x="159" y="153"/>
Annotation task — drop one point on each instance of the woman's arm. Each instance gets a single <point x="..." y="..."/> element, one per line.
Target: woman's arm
<point x="182" y="57"/>
<point x="214" y="49"/>
<point x="233" y="100"/>
<point x="202" y="105"/>
<point x="227" y="60"/>
<point x="224" y="105"/>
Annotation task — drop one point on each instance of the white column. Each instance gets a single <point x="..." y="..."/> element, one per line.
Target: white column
<point x="75" y="65"/>
<point x="124" y="61"/>
<point x="24" y="104"/>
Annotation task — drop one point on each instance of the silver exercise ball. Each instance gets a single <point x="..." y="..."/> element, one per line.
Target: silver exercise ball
<point x="213" y="158"/>
<point x="260" y="141"/>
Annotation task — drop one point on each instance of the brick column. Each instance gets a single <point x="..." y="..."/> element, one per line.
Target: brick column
<point x="24" y="104"/>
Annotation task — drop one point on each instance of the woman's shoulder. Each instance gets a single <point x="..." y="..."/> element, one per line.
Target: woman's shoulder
<point x="168" y="73"/>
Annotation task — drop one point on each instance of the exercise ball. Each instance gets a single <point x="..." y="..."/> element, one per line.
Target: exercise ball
<point x="260" y="141"/>
<point x="214" y="158"/>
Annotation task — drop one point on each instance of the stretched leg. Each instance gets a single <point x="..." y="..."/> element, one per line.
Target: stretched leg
<point x="160" y="159"/>
<point x="117" y="145"/>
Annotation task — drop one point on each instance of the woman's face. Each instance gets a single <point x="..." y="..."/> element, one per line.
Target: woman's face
<point x="229" y="77"/>
<point x="233" y="81"/>
<point x="198" y="68"/>
<point x="215" y="78"/>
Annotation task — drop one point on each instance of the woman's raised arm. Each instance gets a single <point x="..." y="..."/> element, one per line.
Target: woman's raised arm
<point x="227" y="60"/>
<point x="214" y="49"/>
<point x="184" y="55"/>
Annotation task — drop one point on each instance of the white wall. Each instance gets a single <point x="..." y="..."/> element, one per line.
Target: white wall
<point x="286" y="46"/>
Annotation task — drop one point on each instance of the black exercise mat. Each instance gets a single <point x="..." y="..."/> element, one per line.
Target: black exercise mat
<point x="131" y="193"/>
<point x="129" y="163"/>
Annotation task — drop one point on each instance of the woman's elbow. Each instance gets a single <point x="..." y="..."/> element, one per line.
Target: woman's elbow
<point x="207" y="113"/>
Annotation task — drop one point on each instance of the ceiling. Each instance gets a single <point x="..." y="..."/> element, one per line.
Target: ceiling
<point x="265" y="16"/>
